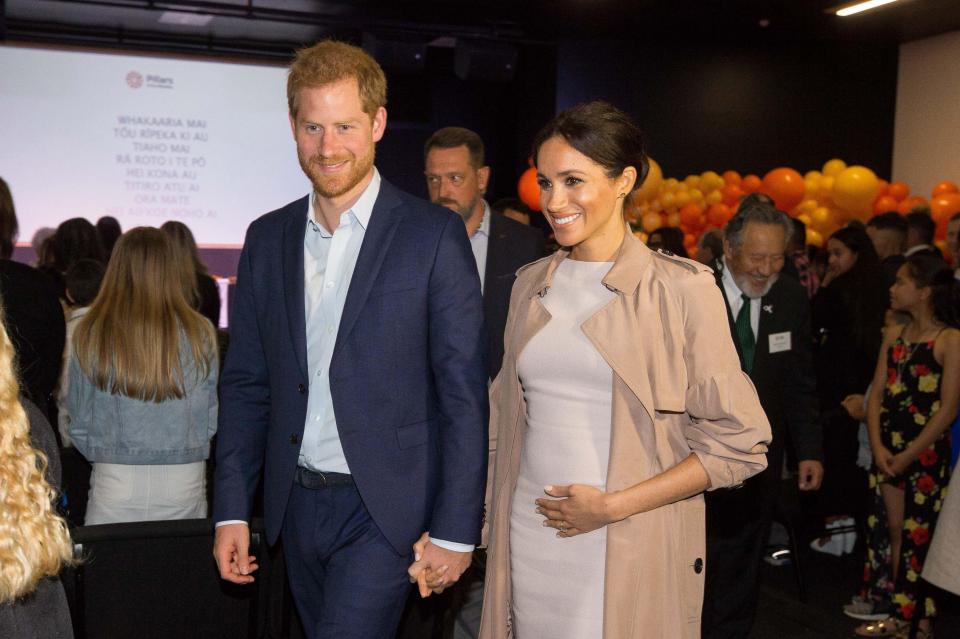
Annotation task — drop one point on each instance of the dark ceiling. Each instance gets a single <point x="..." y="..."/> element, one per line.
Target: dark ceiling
<point x="272" y="28"/>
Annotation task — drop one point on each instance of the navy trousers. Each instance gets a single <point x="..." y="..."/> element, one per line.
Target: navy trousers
<point x="347" y="580"/>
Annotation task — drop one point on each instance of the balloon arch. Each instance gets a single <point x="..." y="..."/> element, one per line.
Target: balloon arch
<point x="824" y="200"/>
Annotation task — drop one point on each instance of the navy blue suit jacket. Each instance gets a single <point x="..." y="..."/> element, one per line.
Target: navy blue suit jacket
<point x="408" y="376"/>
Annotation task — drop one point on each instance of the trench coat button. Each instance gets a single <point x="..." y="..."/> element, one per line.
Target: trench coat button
<point x="294" y="439"/>
<point x="301" y="388"/>
<point x="698" y="566"/>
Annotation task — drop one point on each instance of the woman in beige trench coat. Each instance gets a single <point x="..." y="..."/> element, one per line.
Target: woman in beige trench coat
<point x="681" y="418"/>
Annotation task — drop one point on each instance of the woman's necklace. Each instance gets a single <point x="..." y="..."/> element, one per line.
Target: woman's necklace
<point x="913" y="351"/>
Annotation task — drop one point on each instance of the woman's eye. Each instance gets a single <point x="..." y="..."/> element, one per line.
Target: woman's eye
<point x="543" y="184"/>
<point x="573" y="181"/>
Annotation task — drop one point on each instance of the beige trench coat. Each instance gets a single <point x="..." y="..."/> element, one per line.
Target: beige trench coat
<point x="677" y="389"/>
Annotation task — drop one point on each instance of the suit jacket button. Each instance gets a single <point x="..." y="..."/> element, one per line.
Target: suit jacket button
<point x="295" y="439"/>
<point x="698" y="566"/>
<point x="301" y="388"/>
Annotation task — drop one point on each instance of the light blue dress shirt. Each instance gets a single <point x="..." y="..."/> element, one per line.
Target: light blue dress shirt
<point x="479" y="242"/>
<point x="328" y="263"/>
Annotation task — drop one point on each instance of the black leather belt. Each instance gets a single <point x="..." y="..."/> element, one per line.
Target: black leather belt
<point x="315" y="481"/>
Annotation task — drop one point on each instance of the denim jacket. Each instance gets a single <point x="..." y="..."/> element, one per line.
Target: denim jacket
<point x="116" y="429"/>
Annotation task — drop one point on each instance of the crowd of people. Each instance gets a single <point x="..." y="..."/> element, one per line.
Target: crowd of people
<point x="588" y="443"/>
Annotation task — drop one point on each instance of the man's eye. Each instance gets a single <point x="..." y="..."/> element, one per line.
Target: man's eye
<point x="433" y="180"/>
<point x="456" y="180"/>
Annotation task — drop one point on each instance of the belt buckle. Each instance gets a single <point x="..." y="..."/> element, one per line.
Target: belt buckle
<point x="323" y="480"/>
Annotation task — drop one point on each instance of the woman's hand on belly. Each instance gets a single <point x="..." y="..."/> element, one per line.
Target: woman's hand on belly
<point x="575" y="509"/>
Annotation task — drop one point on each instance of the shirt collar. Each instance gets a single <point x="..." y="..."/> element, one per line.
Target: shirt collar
<point x="729" y="283"/>
<point x="917" y="249"/>
<point x="362" y="209"/>
<point x="484" y="228"/>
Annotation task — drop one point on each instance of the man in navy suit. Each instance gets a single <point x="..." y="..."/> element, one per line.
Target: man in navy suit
<point x="355" y="376"/>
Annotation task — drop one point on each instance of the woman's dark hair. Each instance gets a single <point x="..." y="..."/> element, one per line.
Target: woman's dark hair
<point x="929" y="270"/>
<point x="668" y="238"/>
<point x="603" y="133"/>
<point x="8" y="222"/>
<point x="856" y="239"/>
<point x="75" y="240"/>
<point x="861" y="290"/>
<point x="110" y="231"/>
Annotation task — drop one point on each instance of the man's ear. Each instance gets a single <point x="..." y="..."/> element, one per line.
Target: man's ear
<point x="483" y="178"/>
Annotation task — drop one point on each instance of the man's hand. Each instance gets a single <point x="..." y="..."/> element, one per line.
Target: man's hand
<point x="811" y="474"/>
<point x="436" y="568"/>
<point x="230" y="546"/>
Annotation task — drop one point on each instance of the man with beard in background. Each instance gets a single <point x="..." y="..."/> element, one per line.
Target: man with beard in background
<point x="769" y="317"/>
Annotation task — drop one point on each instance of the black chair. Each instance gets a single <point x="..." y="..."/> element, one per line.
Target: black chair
<point x="158" y="579"/>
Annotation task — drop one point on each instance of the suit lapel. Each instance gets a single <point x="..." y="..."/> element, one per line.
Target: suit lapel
<point x="495" y="257"/>
<point x="293" y="281"/>
<point x="769" y="300"/>
<point x="376" y="241"/>
<point x="718" y="274"/>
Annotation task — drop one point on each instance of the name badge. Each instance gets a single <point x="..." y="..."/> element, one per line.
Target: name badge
<point x="780" y="342"/>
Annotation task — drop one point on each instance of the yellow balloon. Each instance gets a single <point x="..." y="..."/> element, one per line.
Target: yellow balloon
<point x="713" y="197"/>
<point x="814" y="238"/>
<point x="682" y="198"/>
<point x="820" y="217"/>
<point x="671" y="184"/>
<point x="710" y="180"/>
<point x="812" y="175"/>
<point x="651" y="184"/>
<point x="833" y="167"/>
<point x="651" y="222"/>
<point x="692" y="181"/>
<point x="811" y="188"/>
<point x="668" y="200"/>
<point x="807" y="206"/>
<point x="855" y="188"/>
<point x="696" y="195"/>
<point x="803" y="217"/>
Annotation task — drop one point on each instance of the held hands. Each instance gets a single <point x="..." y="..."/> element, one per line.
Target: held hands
<point x="577" y="509"/>
<point x="811" y="474"/>
<point x="435" y="569"/>
<point x="230" y="546"/>
<point x="889" y="464"/>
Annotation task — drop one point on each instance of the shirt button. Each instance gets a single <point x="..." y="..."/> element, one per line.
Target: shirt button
<point x="294" y="439"/>
<point x="301" y="388"/>
<point x="698" y="566"/>
<point x="329" y="284"/>
<point x="330" y="329"/>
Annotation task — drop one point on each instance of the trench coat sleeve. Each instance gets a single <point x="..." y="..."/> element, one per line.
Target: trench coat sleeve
<point x="727" y="428"/>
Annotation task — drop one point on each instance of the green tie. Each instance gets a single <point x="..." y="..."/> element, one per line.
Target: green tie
<point x="748" y="343"/>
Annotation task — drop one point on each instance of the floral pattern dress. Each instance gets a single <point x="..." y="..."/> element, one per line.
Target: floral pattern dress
<point x="911" y="396"/>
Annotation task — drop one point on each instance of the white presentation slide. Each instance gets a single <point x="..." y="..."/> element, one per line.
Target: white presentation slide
<point x="146" y="140"/>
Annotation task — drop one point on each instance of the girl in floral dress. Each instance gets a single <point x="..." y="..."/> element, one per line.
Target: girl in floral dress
<point x="914" y="402"/>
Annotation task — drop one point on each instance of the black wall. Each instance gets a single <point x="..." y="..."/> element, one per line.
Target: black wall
<point x="748" y="107"/>
<point x="506" y="115"/>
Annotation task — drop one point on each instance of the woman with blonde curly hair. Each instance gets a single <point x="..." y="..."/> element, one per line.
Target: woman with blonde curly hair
<point x="142" y="393"/>
<point x="34" y="541"/>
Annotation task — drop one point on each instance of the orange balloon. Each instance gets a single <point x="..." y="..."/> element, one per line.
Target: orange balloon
<point x="884" y="204"/>
<point x="528" y="190"/>
<point x="673" y="219"/>
<point x="718" y="215"/>
<point x="750" y="184"/>
<point x="690" y="215"/>
<point x="883" y="188"/>
<point x="898" y="190"/>
<point x="689" y="241"/>
<point x="731" y="194"/>
<point x="785" y="186"/>
<point x="908" y="204"/>
<point x="732" y="178"/>
<point x="945" y="206"/>
<point x="942" y="188"/>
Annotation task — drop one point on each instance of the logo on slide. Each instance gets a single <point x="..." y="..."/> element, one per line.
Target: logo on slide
<point x="134" y="80"/>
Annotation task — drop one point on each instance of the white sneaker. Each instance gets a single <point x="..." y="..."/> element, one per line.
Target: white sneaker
<point x="865" y="610"/>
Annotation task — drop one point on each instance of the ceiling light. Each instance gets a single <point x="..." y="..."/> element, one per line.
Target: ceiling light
<point x="861" y="7"/>
<point x="185" y="19"/>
